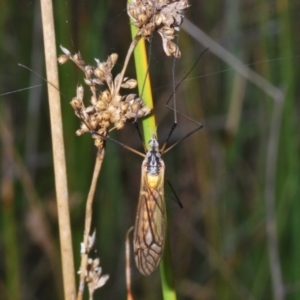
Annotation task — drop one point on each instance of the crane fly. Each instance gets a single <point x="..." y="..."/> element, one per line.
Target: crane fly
<point x="150" y="223"/>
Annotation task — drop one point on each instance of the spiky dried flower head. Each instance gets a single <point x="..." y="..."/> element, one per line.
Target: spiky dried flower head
<point x="93" y="272"/>
<point x="163" y="16"/>
<point x="108" y="110"/>
<point x="94" y="277"/>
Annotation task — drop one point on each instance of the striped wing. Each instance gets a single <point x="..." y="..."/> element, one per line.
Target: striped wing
<point x="150" y="224"/>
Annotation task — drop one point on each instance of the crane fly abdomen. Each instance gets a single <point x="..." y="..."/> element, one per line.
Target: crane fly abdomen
<point x="150" y="224"/>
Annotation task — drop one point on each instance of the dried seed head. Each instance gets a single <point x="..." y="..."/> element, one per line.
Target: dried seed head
<point x="94" y="100"/>
<point x="163" y="15"/>
<point x="79" y="92"/>
<point x="89" y="71"/>
<point x="124" y="106"/>
<point x="111" y="61"/>
<point x="63" y="59"/>
<point x="106" y="116"/>
<point x="111" y="109"/>
<point x="119" y="125"/>
<point x="105" y="96"/>
<point x="100" y="74"/>
<point x="115" y="118"/>
<point x="129" y="83"/>
<point x="108" y="107"/>
<point x="135" y="107"/>
<point x="88" y="82"/>
<point x="78" y="59"/>
<point x="101" y="105"/>
<point x="105" y="124"/>
<point x="171" y="48"/>
<point x="97" y="81"/>
<point x="65" y="50"/>
<point x="99" y="118"/>
<point x="76" y="104"/>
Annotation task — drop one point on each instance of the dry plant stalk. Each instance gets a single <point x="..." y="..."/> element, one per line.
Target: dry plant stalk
<point x="58" y="151"/>
<point x="127" y="263"/>
<point x="110" y="110"/>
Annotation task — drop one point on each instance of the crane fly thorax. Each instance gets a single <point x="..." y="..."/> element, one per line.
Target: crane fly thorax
<point x="153" y="158"/>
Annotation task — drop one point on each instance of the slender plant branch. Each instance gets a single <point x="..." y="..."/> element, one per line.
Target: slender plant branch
<point x="88" y="220"/>
<point x="270" y="186"/>
<point x="58" y="151"/>
<point x="232" y="61"/>
<point x="128" y="269"/>
<point x="128" y="55"/>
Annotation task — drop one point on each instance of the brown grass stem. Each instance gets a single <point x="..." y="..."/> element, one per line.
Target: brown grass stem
<point x="232" y="61"/>
<point x="127" y="58"/>
<point x="88" y="219"/>
<point x="270" y="192"/>
<point x="127" y="260"/>
<point x="58" y="151"/>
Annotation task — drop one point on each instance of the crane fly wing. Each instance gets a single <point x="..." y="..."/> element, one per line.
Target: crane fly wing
<point x="150" y="224"/>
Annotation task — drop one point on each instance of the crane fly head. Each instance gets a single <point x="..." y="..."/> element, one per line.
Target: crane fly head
<point x="153" y="143"/>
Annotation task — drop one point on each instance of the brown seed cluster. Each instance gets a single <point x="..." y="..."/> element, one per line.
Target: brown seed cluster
<point x="93" y="273"/>
<point x="164" y="16"/>
<point x="108" y="108"/>
<point x="94" y="277"/>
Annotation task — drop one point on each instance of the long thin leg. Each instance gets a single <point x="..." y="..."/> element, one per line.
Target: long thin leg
<point x="199" y="125"/>
<point x="185" y="76"/>
<point x="136" y="125"/>
<point x="173" y="95"/>
<point x="176" y="197"/>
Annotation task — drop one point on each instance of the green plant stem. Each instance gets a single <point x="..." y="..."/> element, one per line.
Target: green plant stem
<point x="166" y="272"/>
<point x="149" y="127"/>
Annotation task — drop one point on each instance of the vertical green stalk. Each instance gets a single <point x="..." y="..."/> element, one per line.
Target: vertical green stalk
<point x="149" y="127"/>
<point x="144" y="86"/>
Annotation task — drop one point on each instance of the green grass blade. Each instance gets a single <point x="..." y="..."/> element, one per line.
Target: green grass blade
<point x="149" y="127"/>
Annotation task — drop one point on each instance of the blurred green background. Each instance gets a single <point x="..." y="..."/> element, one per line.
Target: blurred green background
<point x="237" y="236"/>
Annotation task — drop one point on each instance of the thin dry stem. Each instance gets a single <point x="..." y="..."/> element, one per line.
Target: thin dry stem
<point x="271" y="228"/>
<point x="88" y="220"/>
<point x="129" y="53"/>
<point x="232" y="61"/>
<point x="58" y="151"/>
<point x="128" y="269"/>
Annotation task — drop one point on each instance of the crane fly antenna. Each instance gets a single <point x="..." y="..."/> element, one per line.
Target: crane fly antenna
<point x="40" y="76"/>
<point x="21" y="90"/>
